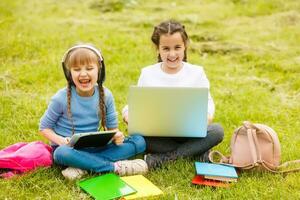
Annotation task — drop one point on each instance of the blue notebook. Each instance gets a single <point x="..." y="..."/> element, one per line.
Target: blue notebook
<point x="210" y="169"/>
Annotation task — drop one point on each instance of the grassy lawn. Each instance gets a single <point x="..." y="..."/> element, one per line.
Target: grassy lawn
<point x="250" y="51"/>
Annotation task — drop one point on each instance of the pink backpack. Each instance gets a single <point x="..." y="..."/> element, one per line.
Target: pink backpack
<point x="22" y="157"/>
<point x="254" y="146"/>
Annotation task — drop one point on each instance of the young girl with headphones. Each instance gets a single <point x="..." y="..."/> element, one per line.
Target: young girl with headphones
<point x="172" y="69"/>
<point x="79" y="108"/>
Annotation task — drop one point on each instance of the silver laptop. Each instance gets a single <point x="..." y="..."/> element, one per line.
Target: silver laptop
<point x="168" y="111"/>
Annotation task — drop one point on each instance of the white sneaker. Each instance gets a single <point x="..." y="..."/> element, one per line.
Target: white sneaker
<point x="72" y="173"/>
<point x="131" y="167"/>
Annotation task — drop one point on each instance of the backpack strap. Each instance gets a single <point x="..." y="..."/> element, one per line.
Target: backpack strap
<point x="252" y="145"/>
<point x="279" y="170"/>
<point x="8" y="174"/>
<point x="223" y="159"/>
<point x="257" y="147"/>
<point x="286" y="164"/>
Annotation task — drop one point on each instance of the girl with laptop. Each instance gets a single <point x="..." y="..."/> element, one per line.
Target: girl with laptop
<point x="79" y="108"/>
<point x="172" y="69"/>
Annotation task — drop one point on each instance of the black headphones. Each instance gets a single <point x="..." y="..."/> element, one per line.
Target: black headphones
<point x="101" y="72"/>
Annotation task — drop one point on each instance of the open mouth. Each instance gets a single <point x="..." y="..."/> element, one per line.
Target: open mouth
<point x="84" y="82"/>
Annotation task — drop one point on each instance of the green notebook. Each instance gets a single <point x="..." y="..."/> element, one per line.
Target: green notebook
<point x="108" y="186"/>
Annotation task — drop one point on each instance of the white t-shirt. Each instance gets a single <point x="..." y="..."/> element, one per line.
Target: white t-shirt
<point x="189" y="76"/>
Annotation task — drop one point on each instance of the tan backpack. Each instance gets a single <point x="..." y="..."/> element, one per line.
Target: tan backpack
<point x="254" y="146"/>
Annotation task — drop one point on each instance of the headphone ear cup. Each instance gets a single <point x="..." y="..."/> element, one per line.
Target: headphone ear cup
<point x="67" y="74"/>
<point x="101" y="73"/>
<point x="69" y="79"/>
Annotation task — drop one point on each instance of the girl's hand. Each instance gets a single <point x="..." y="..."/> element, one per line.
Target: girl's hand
<point x="66" y="141"/>
<point x="209" y="119"/>
<point x="125" y="117"/>
<point x="118" y="138"/>
<point x="55" y="138"/>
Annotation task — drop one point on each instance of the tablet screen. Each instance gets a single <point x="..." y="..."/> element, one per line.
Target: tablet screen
<point x="91" y="139"/>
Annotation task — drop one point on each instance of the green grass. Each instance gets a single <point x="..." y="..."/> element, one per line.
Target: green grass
<point x="249" y="49"/>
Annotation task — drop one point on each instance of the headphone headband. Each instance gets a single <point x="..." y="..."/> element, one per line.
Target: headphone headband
<point x="96" y="51"/>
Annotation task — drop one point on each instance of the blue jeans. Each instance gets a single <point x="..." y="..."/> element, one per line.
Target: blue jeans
<point x="99" y="159"/>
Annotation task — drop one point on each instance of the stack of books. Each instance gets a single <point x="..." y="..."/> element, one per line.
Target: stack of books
<point x="216" y="175"/>
<point x="111" y="186"/>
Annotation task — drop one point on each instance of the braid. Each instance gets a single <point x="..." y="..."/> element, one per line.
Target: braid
<point x="69" y="106"/>
<point x="102" y="108"/>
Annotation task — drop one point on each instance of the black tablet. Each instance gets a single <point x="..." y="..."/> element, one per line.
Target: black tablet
<point x="91" y="139"/>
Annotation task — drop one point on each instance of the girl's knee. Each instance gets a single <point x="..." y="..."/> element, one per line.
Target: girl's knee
<point x="217" y="131"/>
<point x="139" y="142"/>
<point x="61" y="152"/>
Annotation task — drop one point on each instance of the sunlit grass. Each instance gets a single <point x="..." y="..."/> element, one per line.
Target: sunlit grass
<point x="249" y="49"/>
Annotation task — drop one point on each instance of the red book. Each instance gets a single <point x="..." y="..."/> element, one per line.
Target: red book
<point x="200" y="180"/>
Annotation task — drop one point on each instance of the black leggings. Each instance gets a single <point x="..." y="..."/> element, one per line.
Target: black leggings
<point x="185" y="147"/>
